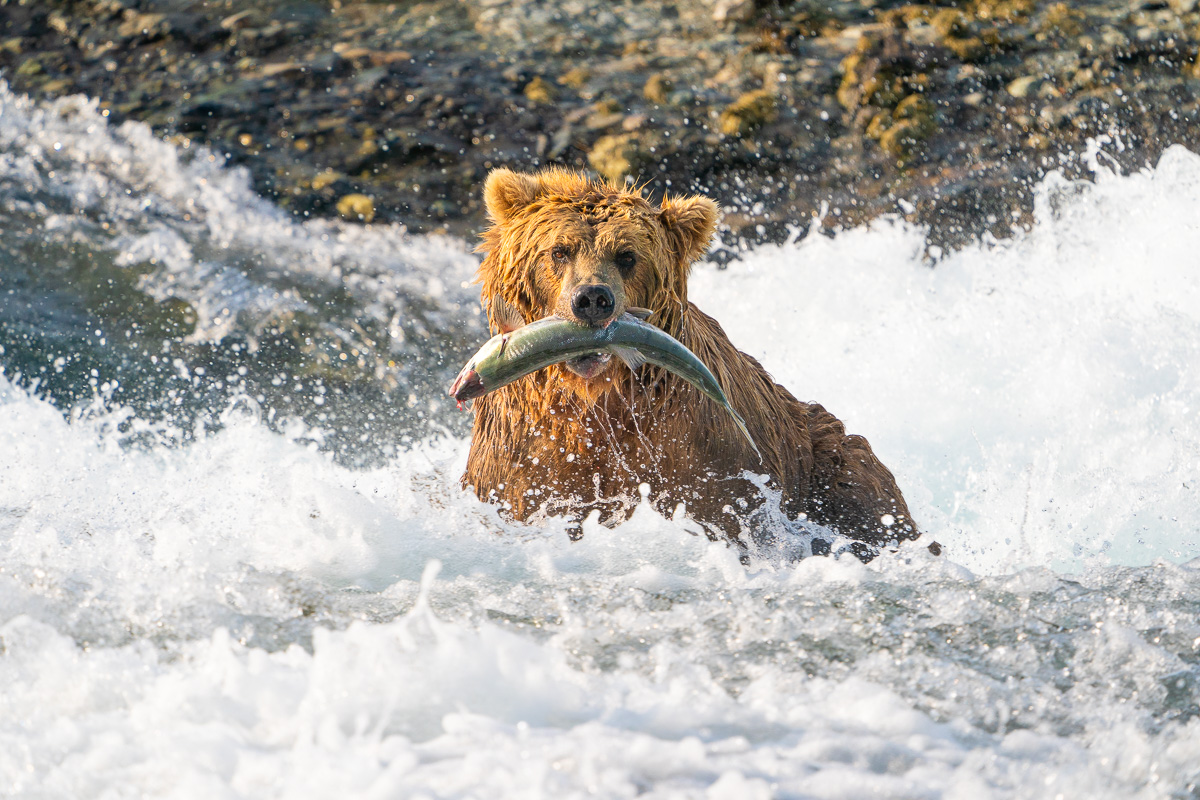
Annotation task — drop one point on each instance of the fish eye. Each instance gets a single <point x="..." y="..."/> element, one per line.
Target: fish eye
<point x="559" y="254"/>
<point x="626" y="261"/>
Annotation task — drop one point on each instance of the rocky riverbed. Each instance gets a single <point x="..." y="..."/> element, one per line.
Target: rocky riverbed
<point x="780" y="110"/>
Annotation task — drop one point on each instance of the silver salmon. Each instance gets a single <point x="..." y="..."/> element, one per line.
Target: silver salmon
<point x="510" y="356"/>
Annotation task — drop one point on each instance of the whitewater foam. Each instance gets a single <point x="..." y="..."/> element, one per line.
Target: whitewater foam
<point x="249" y="611"/>
<point x="1038" y="398"/>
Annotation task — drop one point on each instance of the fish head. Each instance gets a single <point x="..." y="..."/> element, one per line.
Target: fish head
<point x="479" y="372"/>
<point x="468" y="385"/>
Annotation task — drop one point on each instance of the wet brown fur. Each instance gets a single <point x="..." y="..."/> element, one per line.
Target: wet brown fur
<point x="554" y="442"/>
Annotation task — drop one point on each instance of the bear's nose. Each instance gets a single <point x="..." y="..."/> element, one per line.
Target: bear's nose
<point x="593" y="303"/>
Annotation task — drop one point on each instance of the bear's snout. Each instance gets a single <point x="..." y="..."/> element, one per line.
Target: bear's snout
<point x="593" y="304"/>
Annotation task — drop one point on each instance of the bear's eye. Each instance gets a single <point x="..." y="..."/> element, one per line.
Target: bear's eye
<point x="559" y="254"/>
<point x="626" y="261"/>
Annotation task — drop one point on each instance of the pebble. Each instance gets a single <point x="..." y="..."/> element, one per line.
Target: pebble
<point x="1022" y="86"/>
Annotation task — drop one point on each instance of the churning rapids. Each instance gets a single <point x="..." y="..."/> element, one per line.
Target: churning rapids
<point x="235" y="561"/>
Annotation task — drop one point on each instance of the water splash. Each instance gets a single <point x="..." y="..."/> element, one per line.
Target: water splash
<point x="226" y="602"/>
<point x="1037" y="398"/>
<point x="155" y="268"/>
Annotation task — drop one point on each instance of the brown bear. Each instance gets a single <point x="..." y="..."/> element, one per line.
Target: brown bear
<point x="586" y="434"/>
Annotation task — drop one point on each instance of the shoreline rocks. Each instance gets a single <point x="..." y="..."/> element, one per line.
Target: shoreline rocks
<point x="945" y="114"/>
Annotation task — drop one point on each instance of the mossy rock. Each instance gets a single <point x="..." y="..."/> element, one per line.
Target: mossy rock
<point x="356" y="208"/>
<point x="750" y="111"/>
<point x="849" y="93"/>
<point x="969" y="49"/>
<point x="1002" y="10"/>
<point x="879" y="124"/>
<point x="883" y="89"/>
<point x="1061" y="19"/>
<point x="950" y="22"/>
<point x="954" y="28"/>
<point x="905" y="15"/>
<point x="608" y="105"/>
<point x="617" y="156"/>
<point x="58" y="86"/>
<point x="575" y="78"/>
<point x="658" y="88"/>
<point x="29" y="67"/>
<point x="325" y="178"/>
<point x="866" y="81"/>
<point x="917" y="108"/>
<point x="539" y="91"/>
<point x="367" y="147"/>
<point x="899" y="132"/>
<point x="144" y="27"/>
<point x="900" y="140"/>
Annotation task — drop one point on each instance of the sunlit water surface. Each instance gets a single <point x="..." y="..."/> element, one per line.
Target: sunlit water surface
<point x="235" y="560"/>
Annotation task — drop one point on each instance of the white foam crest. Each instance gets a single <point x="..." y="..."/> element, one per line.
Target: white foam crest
<point x="202" y="226"/>
<point x="1037" y="398"/>
<point x="155" y="598"/>
<point x="141" y="533"/>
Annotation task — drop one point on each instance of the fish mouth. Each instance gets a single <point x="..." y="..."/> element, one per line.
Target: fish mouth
<point x="590" y="365"/>
<point x="467" y="386"/>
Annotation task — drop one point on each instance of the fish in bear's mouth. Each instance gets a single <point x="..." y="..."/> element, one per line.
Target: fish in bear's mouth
<point x="589" y="366"/>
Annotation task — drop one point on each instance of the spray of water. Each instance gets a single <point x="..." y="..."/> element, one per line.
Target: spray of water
<point x="242" y="610"/>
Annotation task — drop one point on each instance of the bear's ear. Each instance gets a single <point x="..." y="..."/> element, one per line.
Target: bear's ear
<point x="507" y="192"/>
<point x="690" y="223"/>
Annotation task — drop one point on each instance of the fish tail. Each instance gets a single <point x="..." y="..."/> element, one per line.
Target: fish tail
<point x="741" y="423"/>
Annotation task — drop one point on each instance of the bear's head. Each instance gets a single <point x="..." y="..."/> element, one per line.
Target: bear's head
<point x="587" y="250"/>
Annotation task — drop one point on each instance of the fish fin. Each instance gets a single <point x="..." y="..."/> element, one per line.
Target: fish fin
<point x="641" y="313"/>
<point x="507" y="317"/>
<point x="632" y="357"/>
